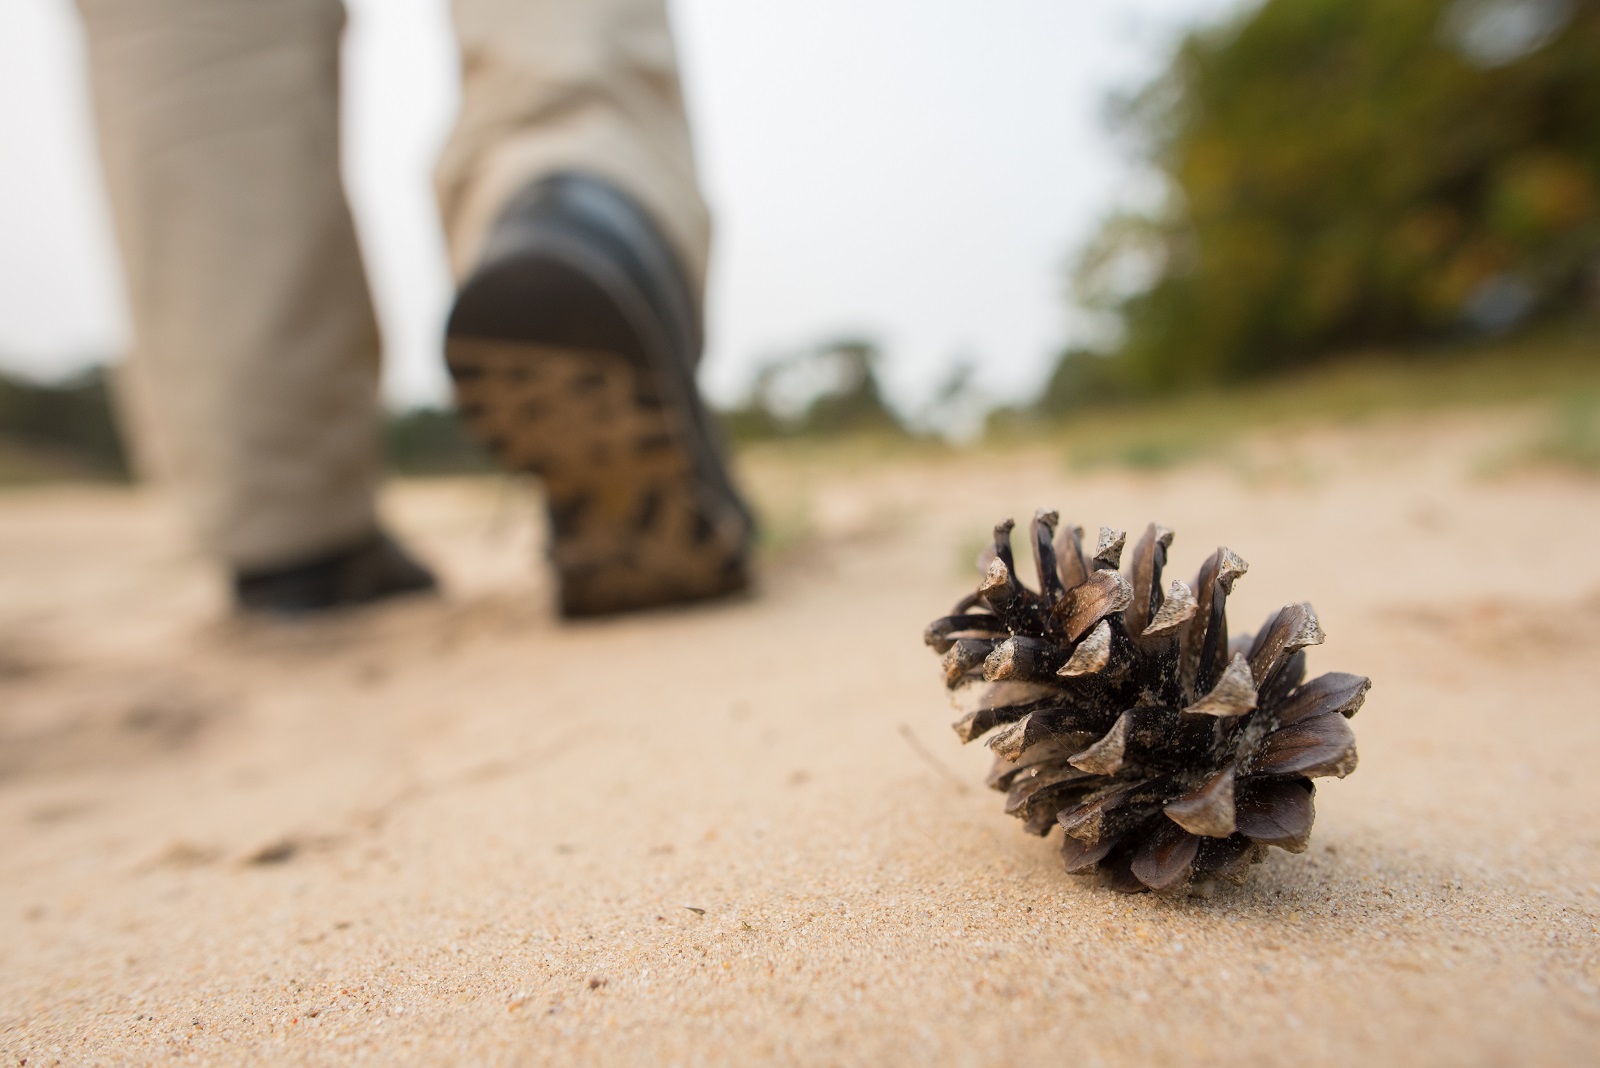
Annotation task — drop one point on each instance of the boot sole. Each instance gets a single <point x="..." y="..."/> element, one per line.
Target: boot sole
<point x="632" y="525"/>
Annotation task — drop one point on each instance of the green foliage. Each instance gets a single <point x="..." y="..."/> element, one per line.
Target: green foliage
<point x="1572" y="439"/>
<point x="1350" y="173"/>
<point x="1554" y="369"/>
<point x="51" y="431"/>
<point x="432" y="441"/>
<point x="1081" y="377"/>
<point x="61" y="430"/>
<point x="830" y="390"/>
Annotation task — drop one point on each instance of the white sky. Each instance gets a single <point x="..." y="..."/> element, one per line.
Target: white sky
<point x="915" y="170"/>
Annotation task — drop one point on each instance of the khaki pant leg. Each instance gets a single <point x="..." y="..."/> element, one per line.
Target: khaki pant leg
<point x="253" y="379"/>
<point x="587" y="85"/>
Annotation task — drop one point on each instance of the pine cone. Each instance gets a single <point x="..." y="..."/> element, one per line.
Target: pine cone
<point x="1169" y="754"/>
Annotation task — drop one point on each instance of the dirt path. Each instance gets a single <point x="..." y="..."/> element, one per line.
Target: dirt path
<point x="457" y="831"/>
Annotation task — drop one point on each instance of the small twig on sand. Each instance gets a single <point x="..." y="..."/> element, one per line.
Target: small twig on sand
<point x="933" y="762"/>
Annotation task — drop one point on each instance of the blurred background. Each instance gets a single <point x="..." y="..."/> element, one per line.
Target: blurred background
<point x="1318" y="280"/>
<point x="1137" y="228"/>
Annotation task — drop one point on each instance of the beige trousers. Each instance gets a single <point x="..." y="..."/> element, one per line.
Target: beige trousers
<point x="251" y="388"/>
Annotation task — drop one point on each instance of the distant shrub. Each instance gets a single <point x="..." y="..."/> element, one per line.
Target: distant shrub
<point x="67" y="426"/>
<point x="1082" y="377"/>
<point x="1348" y="173"/>
<point x="828" y="390"/>
<point x="432" y="441"/>
<point x="68" y="429"/>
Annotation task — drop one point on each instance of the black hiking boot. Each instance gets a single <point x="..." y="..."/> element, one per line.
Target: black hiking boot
<point x="573" y="347"/>
<point x="373" y="570"/>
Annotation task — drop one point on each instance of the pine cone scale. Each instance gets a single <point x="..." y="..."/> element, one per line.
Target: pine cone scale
<point x="1103" y="594"/>
<point x="981" y="721"/>
<point x="1208" y="809"/>
<point x="1228" y="858"/>
<point x="1048" y="777"/>
<point x="943" y="633"/>
<point x="1233" y="695"/>
<point x="1177" y="608"/>
<point x="1037" y="727"/>
<point x="1079" y="855"/>
<point x="1149" y="557"/>
<point x="1025" y="659"/>
<point x="1294" y="628"/>
<point x="1315" y="747"/>
<point x="1070" y="567"/>
<point x="1166" y="857"/>
<point x="1117" y="870"/>
<point x="1113" y="810"/>
<point x="1091" y="655"/>
<point x="1105" y="757"/>
<point x="1333" y="692"/>
<point x="1278" y="813"/>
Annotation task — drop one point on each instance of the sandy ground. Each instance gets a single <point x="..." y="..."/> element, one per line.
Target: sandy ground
<point x="458" y="831"/>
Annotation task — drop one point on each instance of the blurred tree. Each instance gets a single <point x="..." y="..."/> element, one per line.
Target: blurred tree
<point x="1082" y="376"/>
<point x="824" y="391"/>
<point x="853" y="401"/>
<point x="1351" y="172"/>
<point x="67" y="427"/>
<point x="432" y="441"/>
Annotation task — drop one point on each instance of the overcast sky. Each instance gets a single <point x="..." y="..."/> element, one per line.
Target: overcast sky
<point x="915" y="170"/>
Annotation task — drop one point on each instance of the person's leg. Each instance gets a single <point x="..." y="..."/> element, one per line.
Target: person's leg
<point x="577" y="227"/>
<point x="569" y="85"/>
<point x="253" y="378"/>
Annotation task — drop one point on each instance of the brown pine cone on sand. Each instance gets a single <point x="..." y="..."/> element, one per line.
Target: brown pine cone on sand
<point x="1169" y="754"/>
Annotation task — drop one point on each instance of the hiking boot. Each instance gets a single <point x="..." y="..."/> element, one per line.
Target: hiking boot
<point x="373" y="570"/>
<point x="573" y="346"/>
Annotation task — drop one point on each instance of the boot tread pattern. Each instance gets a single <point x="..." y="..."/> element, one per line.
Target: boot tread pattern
<point x="631" y="524"/>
